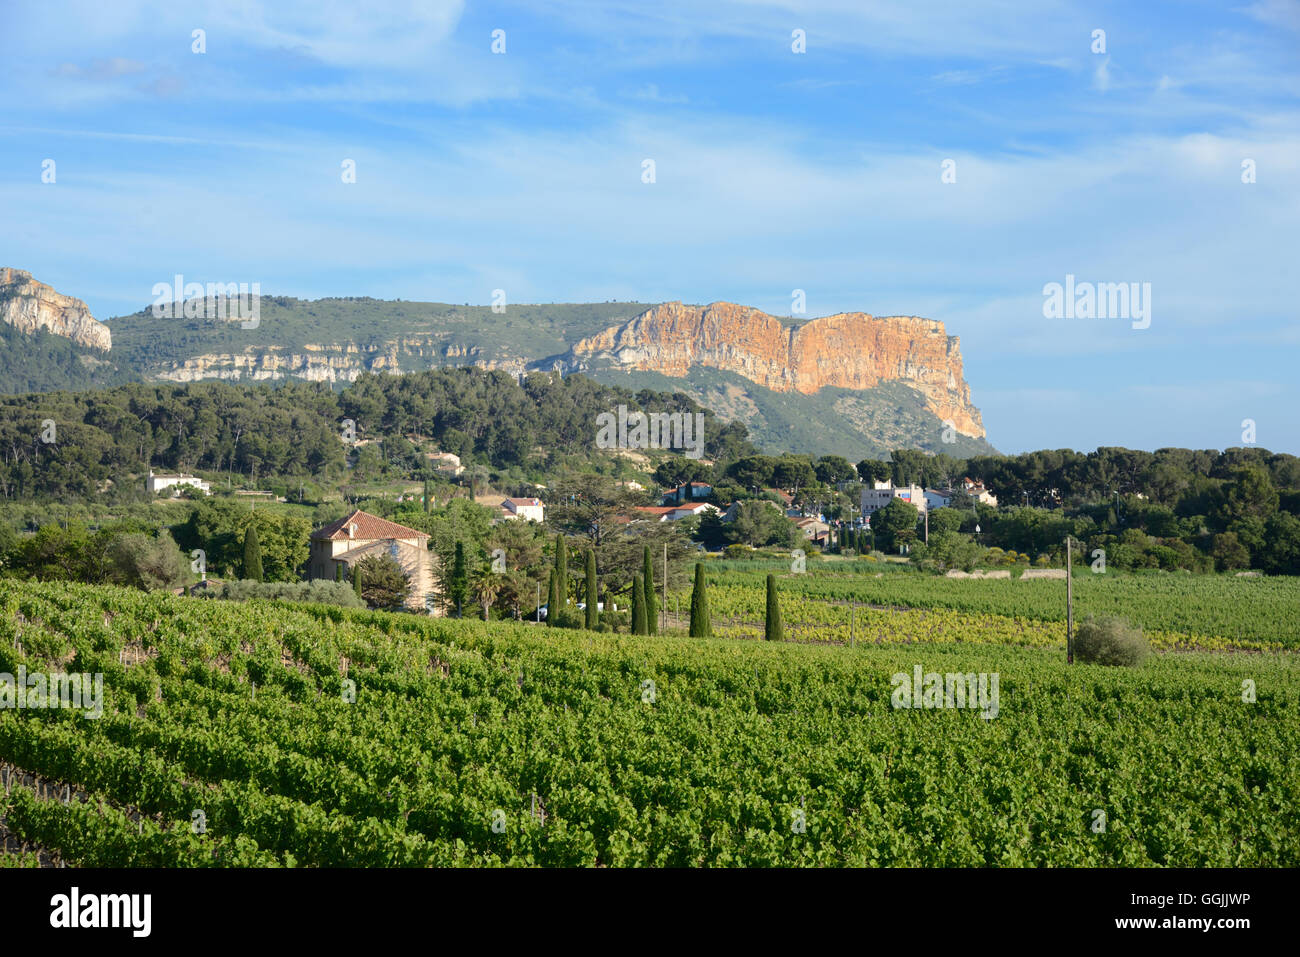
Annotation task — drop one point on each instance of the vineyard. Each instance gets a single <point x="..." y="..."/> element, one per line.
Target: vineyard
<point x="1210" y="612"/>
<point x="273" y="735"/>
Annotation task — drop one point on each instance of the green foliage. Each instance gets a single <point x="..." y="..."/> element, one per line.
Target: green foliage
<point x="318" y="592"/>
<point x="142" y="561"/>
<point x="593" y="607"/>
<point x="648" y="592"/>
<point x="383" y="583"/>
<point x="458" y="582"/>
<point x="561" y="572"/>
<point x="772" y="628"/>
<point x="41" y="361"/>
<point x="639" y="626"/>
<point x="701" y="627"/>
<point x="303" y="774"/>
<point x="761" y="523"/>
<point x="896" y="603"/>
<point x="1109" y="641"/>
<point x="251" y="569"/>
<point x="895" y="524"/>
<point x="553" y="610"/>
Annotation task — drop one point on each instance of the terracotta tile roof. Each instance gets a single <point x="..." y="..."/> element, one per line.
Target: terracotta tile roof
<point x="523" y="501"/>
<point x="368" y="527"/>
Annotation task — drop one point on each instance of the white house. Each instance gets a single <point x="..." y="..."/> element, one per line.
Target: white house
<point x="874" y="499"/>
<point x="529" y="509"/>
<point x="446" y="462"/>
<point x="977" y="491"/>
<point x="159" y="483"/>
<point x="936" y="499"/>
<point x="671" y="513"/>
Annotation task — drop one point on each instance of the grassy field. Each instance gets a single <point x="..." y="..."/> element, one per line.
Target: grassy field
<point x="272" y="735"/>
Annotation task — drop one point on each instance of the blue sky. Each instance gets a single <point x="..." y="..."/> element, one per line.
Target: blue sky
<point x="775" y="171"/>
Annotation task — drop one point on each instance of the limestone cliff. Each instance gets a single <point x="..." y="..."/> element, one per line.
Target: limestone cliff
<point x="29" y="305"/>
<point x="852" y="350"/>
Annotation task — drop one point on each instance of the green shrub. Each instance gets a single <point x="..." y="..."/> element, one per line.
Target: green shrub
<point x="737" y="551"/>
<point x="1110" y="641"/>
<point x="319" y="591"/>
<point x="615" y="621"/>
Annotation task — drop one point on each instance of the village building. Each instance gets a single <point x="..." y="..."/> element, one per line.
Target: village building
<point x="337" y="547"/>
<point x="446" y="462"/>
<point x="529" y="509"/>
<point x="160" y="483"/>
<point x="937" y="499"/>
<point x="687" y="492"/>
<point x="874" y="499"/>
<point x="814" y="530"/>
<point x="671" y="513"/>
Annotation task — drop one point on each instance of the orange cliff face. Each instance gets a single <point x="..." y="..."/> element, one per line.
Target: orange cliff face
<point x="28" y="305"/>
<point x="852" y="350"/>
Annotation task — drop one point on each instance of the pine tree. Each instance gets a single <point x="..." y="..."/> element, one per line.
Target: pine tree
<point x="252" y="555"/>
<point x="552" y="601"/>
<point x="593" y="614"/>
<point x="700" y="627"/>
<point x="458" y="585"/>
<point x="648" y="593"/>
<point x="638" y="607"/>
<point x="772" y="630"/>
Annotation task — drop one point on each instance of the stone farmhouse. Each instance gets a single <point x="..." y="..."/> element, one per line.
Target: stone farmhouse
<point x="338" y="546"/>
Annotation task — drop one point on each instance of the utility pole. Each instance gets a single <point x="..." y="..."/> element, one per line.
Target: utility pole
<point x="663" y="613"/>
<point x="927" y="523"/>
<point x="539" y="604"/>
<point x="1069" y="606"/>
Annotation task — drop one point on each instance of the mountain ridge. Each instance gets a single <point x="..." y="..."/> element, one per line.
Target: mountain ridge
<point x="850" y="383"/>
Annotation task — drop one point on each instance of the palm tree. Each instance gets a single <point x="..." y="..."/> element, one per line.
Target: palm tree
<point x="486" y="586"/>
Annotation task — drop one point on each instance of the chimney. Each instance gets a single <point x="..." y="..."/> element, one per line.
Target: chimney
<point x="352" y="530"/>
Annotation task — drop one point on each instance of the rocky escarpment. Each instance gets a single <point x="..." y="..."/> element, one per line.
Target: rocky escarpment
<point x="326" y="362"/>
<point x="29" y="305"/>
<point x="851" y="350"/>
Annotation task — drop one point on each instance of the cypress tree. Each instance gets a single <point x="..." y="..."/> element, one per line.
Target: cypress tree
<point x="428" y="498"/>
<point x="561" y="572"/>
<point x="651" y="612"/>
<point x="593" y="614"/>
<point x="338" y="571"/>
<point x="638" y="607"/>
<point x="772" y="630"/>
<point x="552" y="600"/>
<point x="252" y="555"/>
<point x="700" y="627"/>
<point x="356" y="579"/>
<point x="459" y="583"/>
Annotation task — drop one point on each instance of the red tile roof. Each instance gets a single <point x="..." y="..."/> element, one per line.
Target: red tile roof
<point x="368" y="527"/>
<point x="523" y="501"/>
